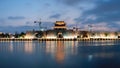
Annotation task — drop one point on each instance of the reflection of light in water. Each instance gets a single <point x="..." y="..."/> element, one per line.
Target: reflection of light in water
<point x="103" y="43"/>
<point x="104" y="55"/>
<point x="71" y="46"/>
<point x="50" y="47"/>
<point x="11" y="46"/>
<point x="97" y="43"/>
<point x="60" y="55"/>
<point x="90" y="57"/>
<point x="28" y="47"/>
<point x="101" y="55"/>
<point x="58" y="49"/>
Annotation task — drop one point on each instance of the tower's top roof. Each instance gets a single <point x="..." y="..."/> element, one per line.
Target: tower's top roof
<point x="60" y="25"/>
<point x="60" y="22"/>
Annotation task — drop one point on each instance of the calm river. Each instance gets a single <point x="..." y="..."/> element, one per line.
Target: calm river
<point x="60" y="54"/>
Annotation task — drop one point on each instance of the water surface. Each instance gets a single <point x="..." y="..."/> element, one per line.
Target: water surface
<point x="60" y="54"/>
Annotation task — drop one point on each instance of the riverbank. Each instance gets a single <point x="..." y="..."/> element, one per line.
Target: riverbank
<point x="58" y="39"/>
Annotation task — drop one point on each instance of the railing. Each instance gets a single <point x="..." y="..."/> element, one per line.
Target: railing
<point x="58" y="39"/>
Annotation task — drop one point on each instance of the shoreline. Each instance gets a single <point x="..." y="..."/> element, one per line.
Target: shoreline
<point x="58" y="39"/>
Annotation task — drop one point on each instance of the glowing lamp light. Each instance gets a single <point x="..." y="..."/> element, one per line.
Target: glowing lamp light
<point x="67" y="37"/>
<point x="29" y="37"/>
<point x="51" y="37"/>
<point x="104" y="37"/>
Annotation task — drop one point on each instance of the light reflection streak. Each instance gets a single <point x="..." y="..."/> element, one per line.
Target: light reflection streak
<point x="28" y="47"/>
<point x="50" y="47"/>
<point x="60" y="50"/>
<point x="90" y="57"/>
<point x="11" y="46"/>
<point x="97" y="43"/>
<point x="100" y="55"/>
<point x="56" y="49"/>
<point x="104" y="55"/>
<point x="60" y="53"/>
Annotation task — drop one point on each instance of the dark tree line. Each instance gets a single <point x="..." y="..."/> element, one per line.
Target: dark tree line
<point x="6" y="35"/>
<point x="16" y="35"/>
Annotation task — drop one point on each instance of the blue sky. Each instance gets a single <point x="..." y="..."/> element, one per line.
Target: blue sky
<point x="19" y="15"/>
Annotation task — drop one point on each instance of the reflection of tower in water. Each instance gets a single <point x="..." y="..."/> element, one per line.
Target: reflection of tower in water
<point x="56" y="48"/>
<point x="60" y="50"/>
<point x="60" y="54"/>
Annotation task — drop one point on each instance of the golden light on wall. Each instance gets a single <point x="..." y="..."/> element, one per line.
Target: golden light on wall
<point x="51" y="37"/>
<point x="29" y="36"/>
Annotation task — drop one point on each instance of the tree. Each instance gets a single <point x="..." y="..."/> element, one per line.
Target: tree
<point x="106" y="34"/>
<point x="85" y="34"/>
<point x="2" y="35"/>
<point x="93" y="34"/>
<point x="16" y="35"/>
<point x="7" y="35"/>
<point x="116" y="33"/>
<point x="22" y="34"/>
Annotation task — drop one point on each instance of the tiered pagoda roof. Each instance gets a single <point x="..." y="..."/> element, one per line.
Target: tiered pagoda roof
<point x="60" y="25"/>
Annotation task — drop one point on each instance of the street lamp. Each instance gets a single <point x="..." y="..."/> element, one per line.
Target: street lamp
<point x="39" y="22"/>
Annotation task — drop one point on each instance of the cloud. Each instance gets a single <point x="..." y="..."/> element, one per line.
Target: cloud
<point x="104" y="11"/>
<point x="103" y="26"/>
<point x="71" y="2"/>
<point x="16" y="17"/>
<point x="75" y="2"/>
<point x="56" y="16"/>
<point x="24" y="28"/>
<point x="2" y="20"/>
<point x="11" y="29"/>
<point x="47" y="4"/>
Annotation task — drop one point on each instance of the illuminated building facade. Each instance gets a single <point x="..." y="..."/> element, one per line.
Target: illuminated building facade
<point x="60" y="31"/>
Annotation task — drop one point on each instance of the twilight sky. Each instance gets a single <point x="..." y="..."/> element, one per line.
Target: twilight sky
<point x="19" y="15"/>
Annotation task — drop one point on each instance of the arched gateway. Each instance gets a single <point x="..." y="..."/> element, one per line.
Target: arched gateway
<point x="60" y="26"/>
<point x="60" y="31"/>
